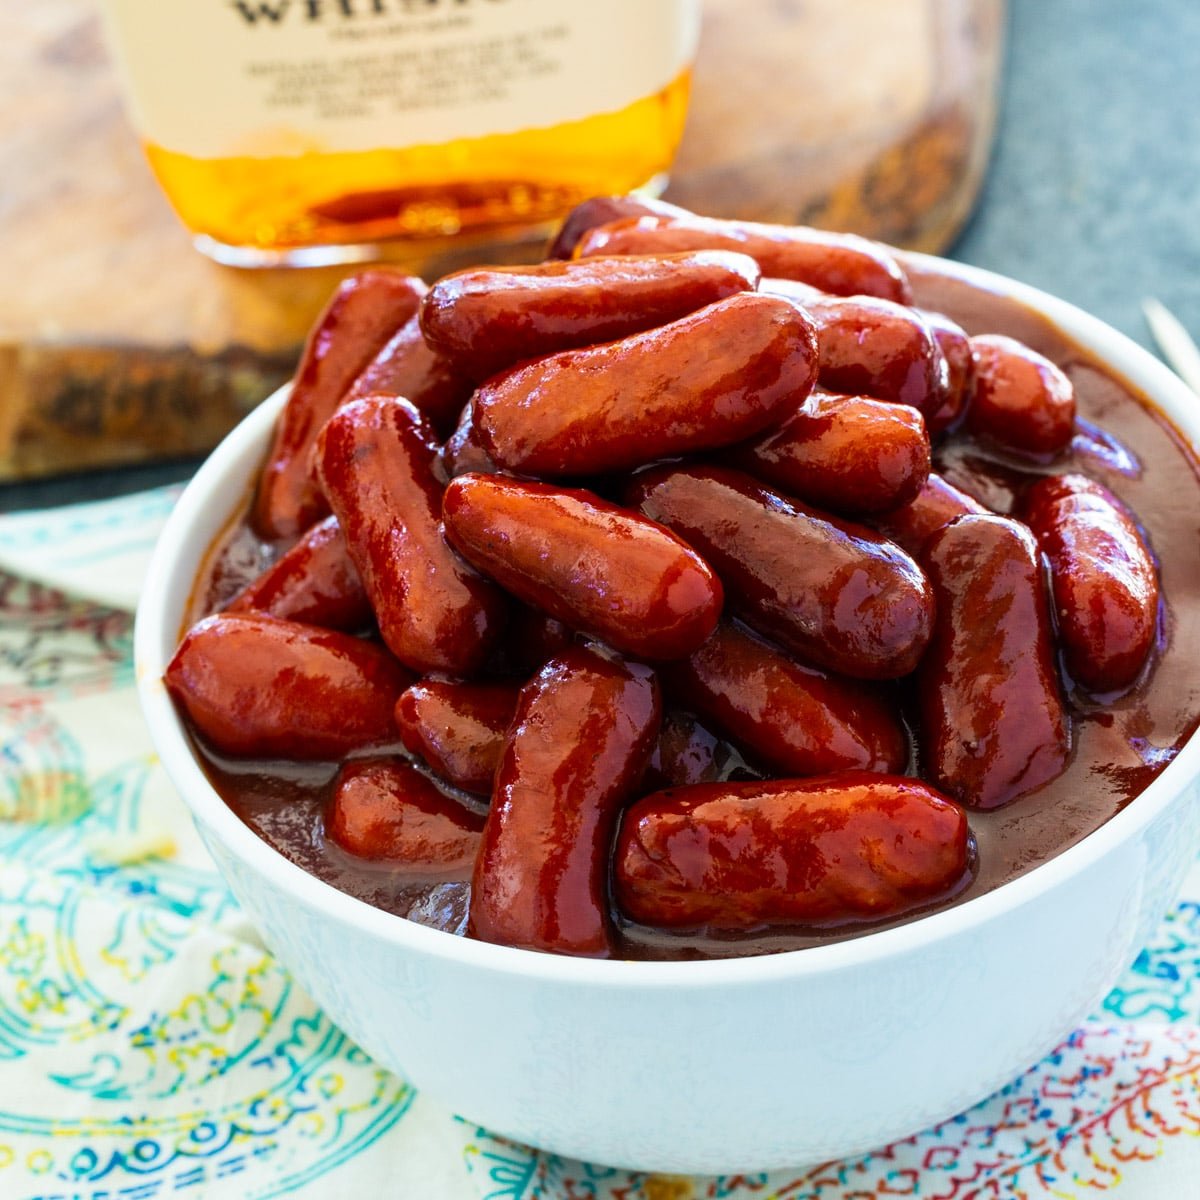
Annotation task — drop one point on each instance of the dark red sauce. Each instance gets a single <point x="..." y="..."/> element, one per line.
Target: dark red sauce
<point x="1118" y="749"/>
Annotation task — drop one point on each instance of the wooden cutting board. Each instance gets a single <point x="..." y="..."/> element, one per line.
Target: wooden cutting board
<point x="119" y="343"/>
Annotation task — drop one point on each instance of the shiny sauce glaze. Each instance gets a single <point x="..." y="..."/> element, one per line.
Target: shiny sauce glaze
<point x="1118" y="747"/>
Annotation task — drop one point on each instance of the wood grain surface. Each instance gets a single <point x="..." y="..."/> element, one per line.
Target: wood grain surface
<point x="118" y="342"/>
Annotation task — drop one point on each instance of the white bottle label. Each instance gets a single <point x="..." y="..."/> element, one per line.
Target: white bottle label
<point x="217" y="78"/>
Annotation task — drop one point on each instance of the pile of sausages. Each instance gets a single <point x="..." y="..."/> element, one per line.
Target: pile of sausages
<point x="581" y="535"/>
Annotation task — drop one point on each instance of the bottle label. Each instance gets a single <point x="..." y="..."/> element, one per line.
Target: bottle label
<point x="224" y="78"/>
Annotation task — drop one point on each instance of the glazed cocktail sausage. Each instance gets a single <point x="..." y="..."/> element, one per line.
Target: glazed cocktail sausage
<point x="955" y="346"/>
<point x="603" y="210"/>
<point x="707" y="380"/>
<point x="364" y="313"/>
<point x="740" y="856"/>
<point x="1103" y="578"/>
<point x="1021" y="400"/>
<point x="408" y="367"/>
<point x="489" y="318"/>
<point x="793" y="719"/>
<point x="847" y="454"/>
<point x="876" y="348"/>
<point x="458" y="728"/>
<point x="585" y="562"/>
<point x="315" y="583"/>
<point x="933" y="507"/>
<point x="384" y="809"/>
<point x="583" y="732"/>
<point x="993" y="727"/>
<point x="838" y="263"/>
<point x="836" y="594"/>
<point x="375" y="460"/>
<point x="257" y="687"/>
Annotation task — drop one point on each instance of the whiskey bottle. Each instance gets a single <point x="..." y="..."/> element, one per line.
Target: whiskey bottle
<point x="318" y="131"/>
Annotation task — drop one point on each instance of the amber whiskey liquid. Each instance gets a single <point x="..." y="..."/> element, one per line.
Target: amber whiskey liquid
<point x="469" y="186"/>
<point x="330" y="130"/>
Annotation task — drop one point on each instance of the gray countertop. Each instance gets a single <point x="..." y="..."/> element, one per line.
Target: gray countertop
<point x="1093" y="192"/>
<point x="1094" y="187"/>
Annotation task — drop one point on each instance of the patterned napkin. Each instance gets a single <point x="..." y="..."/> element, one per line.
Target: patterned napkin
<point x="150" y="1046"/>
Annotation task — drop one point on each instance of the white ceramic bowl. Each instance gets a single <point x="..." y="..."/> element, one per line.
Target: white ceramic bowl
<point x="700" y="1066"/>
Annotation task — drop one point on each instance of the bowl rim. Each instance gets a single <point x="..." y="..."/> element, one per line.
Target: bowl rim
<point x="156" y="628"/>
